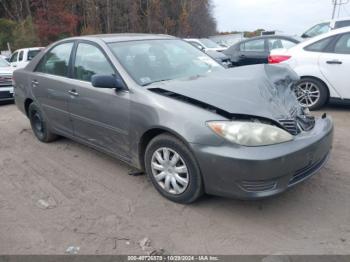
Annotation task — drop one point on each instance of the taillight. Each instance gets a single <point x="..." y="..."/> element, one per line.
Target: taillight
<point x="275" y="59"/>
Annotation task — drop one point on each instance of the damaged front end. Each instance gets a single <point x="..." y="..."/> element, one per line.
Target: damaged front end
<point x="261" y="93"/>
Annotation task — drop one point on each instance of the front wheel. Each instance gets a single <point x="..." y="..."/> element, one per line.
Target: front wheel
<point x="311" y="93"/>
<point x="173" y="170"/>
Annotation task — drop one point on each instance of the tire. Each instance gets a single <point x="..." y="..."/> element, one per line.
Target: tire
<point x="39" y="125"/>
<point x="314" y="87"/>
<point x="190" y="191"/>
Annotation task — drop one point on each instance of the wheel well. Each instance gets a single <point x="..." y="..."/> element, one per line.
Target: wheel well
<point x="318" y="79"/>
<point x="147" y="137"/>
<point x="27" y="104"/>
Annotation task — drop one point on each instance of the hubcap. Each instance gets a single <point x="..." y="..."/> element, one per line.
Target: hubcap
<point x="307" y="94"/>
<point x="170" y="171"/>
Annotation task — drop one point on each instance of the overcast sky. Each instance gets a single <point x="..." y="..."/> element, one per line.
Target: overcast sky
<point x="289" y="16"/>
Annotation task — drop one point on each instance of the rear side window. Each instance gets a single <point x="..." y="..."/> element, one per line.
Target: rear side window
<point x="20" y="57"/>
<point x="340" y="24"/>
<point x="56" y="61"/>
<point x="319" y="46"/>
<point x="343" y="45"/>
<point x="32" y="54"/>
<point x="89" y="61"/>
<point x="253" y="46"/>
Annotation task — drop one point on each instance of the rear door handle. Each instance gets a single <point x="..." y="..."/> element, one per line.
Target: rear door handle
<point x="73" y="92"/>
<point x="334" y="62"/>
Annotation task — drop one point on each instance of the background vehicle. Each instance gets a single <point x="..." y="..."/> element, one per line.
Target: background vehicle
<point x="20" y="58"/>
<point x="257" y="49"/>
<point x="326" y="26"/>
<point x="6" y="87"/>
<point x="323" y="63"/>
<point x="206" y="44"/>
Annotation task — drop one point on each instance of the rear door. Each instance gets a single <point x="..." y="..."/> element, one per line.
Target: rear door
<point x="50" y="86"/>
<point x="335" y="65"/>
<point x="252" y="52"/>
<point x="100" y="116"/>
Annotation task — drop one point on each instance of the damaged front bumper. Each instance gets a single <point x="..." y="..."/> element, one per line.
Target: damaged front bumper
<point x="256" y="172"/>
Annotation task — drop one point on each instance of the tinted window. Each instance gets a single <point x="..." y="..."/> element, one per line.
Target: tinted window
<point x="319" y="46"/>
<point x="280" y="43"/>
<point x="343" y="45"/>
<point x="14" y="57"/>
<point x="20" y="58"/>
<point x="32" y="54"/>
<point x="340" y="24"/>
<point x="317" y="30"/>
<point x="253" y="46"/>
<point x="89" y="61"/>
<point x="56" y="61"/>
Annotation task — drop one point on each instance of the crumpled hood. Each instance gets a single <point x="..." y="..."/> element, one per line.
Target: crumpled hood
<point x="258" y="90"/>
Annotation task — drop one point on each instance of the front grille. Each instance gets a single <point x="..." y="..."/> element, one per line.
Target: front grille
<point x="5" y="80"/>
<point x="307" y="171"/>
<point x="290" y="125"/>
<point x="257" y="186"/>
<point x="5" y="94"/>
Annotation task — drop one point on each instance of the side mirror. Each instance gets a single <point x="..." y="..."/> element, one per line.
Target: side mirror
<point x="107" y="81"/>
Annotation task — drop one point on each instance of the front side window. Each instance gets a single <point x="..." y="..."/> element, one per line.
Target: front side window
<point x="56" y="61"/>
<point x="253" y="46"/>
<point x="343" y="45"/>
<point x="20" y="57"/>
<point x="343" y="23"/>
<point x="317" y="30"/>
<point x="14" y="57"/>
<point x="151" y="61"/>
<point x="319" y="46"/>
<point x="89" y="61"/>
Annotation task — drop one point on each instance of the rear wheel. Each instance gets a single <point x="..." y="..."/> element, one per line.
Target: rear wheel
<point x="39" y="125"/>
<point x="173" y="170"/>
<point x="311" y="93"/>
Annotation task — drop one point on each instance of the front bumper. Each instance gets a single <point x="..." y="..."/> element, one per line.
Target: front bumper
<point x="256" y="172"/>
<point x="6" y="93"/>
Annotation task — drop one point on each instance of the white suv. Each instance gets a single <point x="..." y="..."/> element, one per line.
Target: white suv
<point x="20" y="58"/>
<point x="323" y="63"/>
<point x="326" y="26"/>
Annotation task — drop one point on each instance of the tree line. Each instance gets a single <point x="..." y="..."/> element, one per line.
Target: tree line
<point x="26" y="23"/>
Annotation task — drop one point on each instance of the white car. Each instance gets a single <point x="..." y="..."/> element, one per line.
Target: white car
<point x="6" y="86"/>
<point x="20" y="58"/>
<point x="205" y="44"/>
<point x="326" y="26"/>
<point x="323" y="63"/>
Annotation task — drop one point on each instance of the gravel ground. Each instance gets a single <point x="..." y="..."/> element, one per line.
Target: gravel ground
<point x="63" y="195"/>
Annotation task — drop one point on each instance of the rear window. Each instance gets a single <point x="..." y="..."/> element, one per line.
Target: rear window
<point x="340" y="24"/>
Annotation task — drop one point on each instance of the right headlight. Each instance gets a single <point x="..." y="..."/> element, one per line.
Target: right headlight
<point x="250" y="133"/>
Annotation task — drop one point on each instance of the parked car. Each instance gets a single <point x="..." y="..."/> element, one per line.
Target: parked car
<point x="163" y="106"/>
<point x="326" y="26"/>
<point x="6" y="87"/>
<point x="20" y="58"/>
<point x="205" y="44"/>
<point x="323" y="63"/>
<point x="257" y="49"/>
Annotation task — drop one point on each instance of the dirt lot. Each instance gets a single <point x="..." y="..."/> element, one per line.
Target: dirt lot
<point x="58" y="195"/>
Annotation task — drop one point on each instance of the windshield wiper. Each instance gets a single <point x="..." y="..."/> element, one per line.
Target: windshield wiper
<point x="156" y="81"/>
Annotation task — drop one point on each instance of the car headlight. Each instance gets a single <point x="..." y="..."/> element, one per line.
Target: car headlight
<point x="250" y="133"/>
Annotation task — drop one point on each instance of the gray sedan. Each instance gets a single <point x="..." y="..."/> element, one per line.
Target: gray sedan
<point x="164" y="107"/>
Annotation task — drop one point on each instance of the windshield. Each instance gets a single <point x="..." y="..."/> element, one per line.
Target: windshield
<point x="152" y="61"/>
<point x="209" y="43"/>
<point x="317" y="30"/>
<point x="3" y="63"/>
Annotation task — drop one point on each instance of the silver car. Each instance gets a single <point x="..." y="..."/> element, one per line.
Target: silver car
<point x="166" y="108"/>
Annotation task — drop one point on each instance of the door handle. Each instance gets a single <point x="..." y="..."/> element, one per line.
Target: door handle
<point x="334" y="62"/>
<point x="73" y="92"/>
<point x="35" y="83"/>
<point x="242" y="56"/>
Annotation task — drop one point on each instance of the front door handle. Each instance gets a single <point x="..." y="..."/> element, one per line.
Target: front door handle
<point x="73" y="92"/>
<point x="334" y="62"/>
<point x="35" y="83"/>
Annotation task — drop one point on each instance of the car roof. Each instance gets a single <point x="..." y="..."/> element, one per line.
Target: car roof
<point x="111" y="38"/>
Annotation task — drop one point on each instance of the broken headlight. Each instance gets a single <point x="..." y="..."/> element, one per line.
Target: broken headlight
<point x="249" y="133"/>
